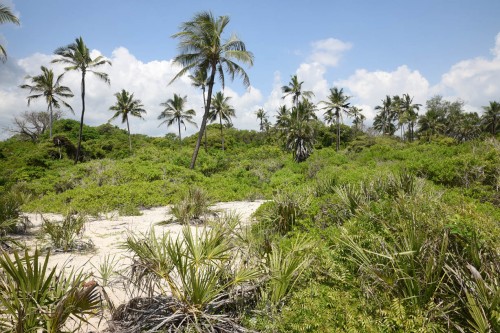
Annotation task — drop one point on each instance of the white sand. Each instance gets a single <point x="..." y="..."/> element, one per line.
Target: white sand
<point x="108" y="232"/>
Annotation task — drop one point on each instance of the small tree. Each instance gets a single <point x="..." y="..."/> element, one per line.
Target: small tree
<point x="262" y="117"/>
<point x="221" y="108"/>
<point x="202" y="47"/>
<point x="77" y="57"/>
<point x="174" y="112"/>
<point x="334" y="105"/>
<point x="54" y="92"/>
<point x="126" y="105"/>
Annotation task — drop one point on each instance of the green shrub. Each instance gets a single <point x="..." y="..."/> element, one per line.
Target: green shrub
<point x="65" y="235"/>
<point x="35" y="298"/>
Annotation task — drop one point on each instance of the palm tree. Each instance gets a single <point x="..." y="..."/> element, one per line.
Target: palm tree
<point x="411" y="114"/>
<point x="77" y="57"/>
<point x="6" y="16"/>
<point x="336" y="103"/>
<point x="262" y="116"/>
<point x="384" y="118"/>
<point x="126" y="105"/>
<point x="491" y="116"/>
<point x="355" y="112"/>
<point x="200" y="81"/>
<point x="431" y="124"/>
<point x="53" y="91"/>
<point x="221" y="108"/>
<point x="300" y="132"/>
<point x="399" y="113"/>
<point x="294" y="89"/>
<point x="174" y="112"/>
<point x="202" y="47"/>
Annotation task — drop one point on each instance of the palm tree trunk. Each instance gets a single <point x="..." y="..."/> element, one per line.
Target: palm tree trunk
<point x="204" y="120"/>
<point x="205" y="106"/>
<point x="129" y="139"/>
<point x="221" y="133"/>
<point x="77" y="157"/>
<point x="50" y="121"/>
<point x="180" y="137"/>
<point x="338" y="130"/>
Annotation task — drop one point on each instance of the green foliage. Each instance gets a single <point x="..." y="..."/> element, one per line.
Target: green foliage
<point x="201" y="271"/>
<point x="65" y="235"/>
<point x="193" y="206"/>
<point x="36" y="298"/>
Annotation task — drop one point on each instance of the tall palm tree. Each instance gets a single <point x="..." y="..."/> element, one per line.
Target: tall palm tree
<point x="399" y="113"/>
<point x="355" y="112"/>
<point x="202" y="47"/>
<point x="262" y="117"/>
<point x="300" y="132"/>
<point x="174" y="112"/>
<point x="126" y="105"/>
<point x="491" y="117"/>
<point x="294" y="89"/>
<point x="411" y="113"/>
<point x="45" y="85"/>
<point x="334" y="105"/>
<point x="200" y="81"/>
<point x="6" y="16"/>
<point x="77" y="57"/>
<point x="221" y="109"/>
<point x="431" y="124"/>
<point x="383" y="121"/>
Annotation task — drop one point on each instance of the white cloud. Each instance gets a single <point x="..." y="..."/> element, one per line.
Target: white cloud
<point x="328" y="52"/>
<point x="148" y="81"/>
<point x="476" y="81"/>
<point x="245" y="107"/>
<point x="369" y="88"/>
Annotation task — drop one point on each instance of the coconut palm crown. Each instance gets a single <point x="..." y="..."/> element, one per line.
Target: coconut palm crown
<point x="77" y="58"/>
<point x="46" y="85"/>
<point x="126" y="105"/>
<point x="6" y="15"/>
<point x="201" y="46"/>
<point x="174" y="112"/>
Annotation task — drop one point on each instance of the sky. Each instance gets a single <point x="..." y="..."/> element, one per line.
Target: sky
<point x="369" y="48"/>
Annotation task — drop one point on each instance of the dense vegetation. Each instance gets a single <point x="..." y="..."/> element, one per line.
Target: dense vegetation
<point x="361" y="233"/>
<point x="390" y="221"/>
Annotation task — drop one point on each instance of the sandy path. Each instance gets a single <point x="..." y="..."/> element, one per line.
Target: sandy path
<point x="108" y="232"/>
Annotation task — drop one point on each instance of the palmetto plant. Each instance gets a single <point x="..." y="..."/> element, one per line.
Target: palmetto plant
<point x="284" y="267"/>
<point x="174" y="112"/>
<point x="34" y="298"/>
<point x="192" y="207"/>
<point x="77" y="57"/>
<point x="202" y="47"/>
<point x="126" y="105"/>
<point x="198" y="269"/>
<point x="44" y="85"/>
<point x="63" y="235"/>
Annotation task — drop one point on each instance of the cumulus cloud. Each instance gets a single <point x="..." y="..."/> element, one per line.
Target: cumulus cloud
<point x="369" y="88"/>
<point x="328" y="52"/>
<point x="474" y="80"/>
<point x="148" y="81"/>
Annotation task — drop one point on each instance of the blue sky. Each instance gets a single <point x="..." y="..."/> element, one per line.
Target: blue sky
<point x="369" y="48"/>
